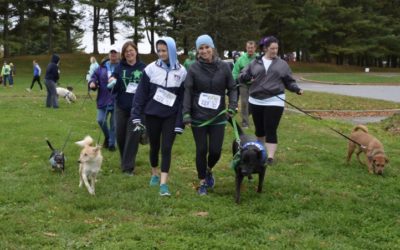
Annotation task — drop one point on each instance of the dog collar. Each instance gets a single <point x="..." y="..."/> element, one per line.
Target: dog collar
<point x="258" y="145"/>
<point x="67" y="94"/>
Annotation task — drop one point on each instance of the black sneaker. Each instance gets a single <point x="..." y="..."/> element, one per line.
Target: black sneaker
<point x="112" y="148"/>
<point x="105" y="143"/>
<point x="270" y="161"/>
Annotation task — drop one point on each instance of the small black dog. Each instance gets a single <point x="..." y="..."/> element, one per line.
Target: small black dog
<point x="56" y="159"/>
<point x="251" y="159"/>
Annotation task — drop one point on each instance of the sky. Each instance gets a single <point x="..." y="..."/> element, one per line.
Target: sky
<point x="144" y="46"/>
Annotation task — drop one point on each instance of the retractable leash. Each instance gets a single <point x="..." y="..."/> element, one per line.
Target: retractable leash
<point x="319" y="118"/>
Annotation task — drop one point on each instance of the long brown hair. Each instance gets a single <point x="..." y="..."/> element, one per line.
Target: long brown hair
<point x="125" y="47"/>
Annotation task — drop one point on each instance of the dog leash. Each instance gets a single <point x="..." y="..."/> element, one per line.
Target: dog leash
<point x="70" y="129"/>
<point x="210" y="121"/>
<point x="318" y="118"/>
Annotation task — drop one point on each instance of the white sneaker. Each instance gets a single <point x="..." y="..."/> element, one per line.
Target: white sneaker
<point x="28" y="89"/>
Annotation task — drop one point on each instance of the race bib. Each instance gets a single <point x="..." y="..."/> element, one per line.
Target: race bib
<point x="131" y="88"/>
<point x="209" y="101"/>
<point x="165" y="97"/>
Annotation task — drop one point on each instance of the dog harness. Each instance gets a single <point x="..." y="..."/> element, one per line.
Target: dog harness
<point x="259" y="146"/>
<point x="236" y="158"/>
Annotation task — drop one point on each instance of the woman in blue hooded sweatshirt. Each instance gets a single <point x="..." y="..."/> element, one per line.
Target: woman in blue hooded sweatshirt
<point x="123" y="83"/>
<point x="159" y="97"/>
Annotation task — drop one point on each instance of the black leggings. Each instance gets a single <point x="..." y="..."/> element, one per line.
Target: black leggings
<point x="161" y="131"/>
<point x="266" y="120"/>
<point x="36" y="78"/>
<point x="209" y="141"/>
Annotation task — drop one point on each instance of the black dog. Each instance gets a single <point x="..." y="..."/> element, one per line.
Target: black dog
<point x="56" y="159"/>
<point x="251" y="158"/>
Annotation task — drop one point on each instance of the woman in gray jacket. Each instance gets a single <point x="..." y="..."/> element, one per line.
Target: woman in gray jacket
<point x="269" y="76"/>
<point x="206" y="84"/>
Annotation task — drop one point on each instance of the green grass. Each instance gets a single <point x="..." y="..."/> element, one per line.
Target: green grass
<point x="356" y="78"/>
<point x="311" y="199"/>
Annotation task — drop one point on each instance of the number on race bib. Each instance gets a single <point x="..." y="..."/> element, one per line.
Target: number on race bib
<point x="210" y="101"/>
<point x="165" y="97"/>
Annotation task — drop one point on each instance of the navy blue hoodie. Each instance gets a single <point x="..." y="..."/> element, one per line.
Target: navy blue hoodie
<point x="125" y="74"/>
<point x="52" y="72"/>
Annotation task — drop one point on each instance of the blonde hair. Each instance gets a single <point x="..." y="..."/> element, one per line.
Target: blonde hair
<point x="93" y="59"/>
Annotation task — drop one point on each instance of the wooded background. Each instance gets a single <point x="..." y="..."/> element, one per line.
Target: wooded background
<point x="356" y="32"/>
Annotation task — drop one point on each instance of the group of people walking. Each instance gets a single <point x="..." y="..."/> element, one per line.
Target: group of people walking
<point x="162" y="98"/>
<point x="7" y="74"/>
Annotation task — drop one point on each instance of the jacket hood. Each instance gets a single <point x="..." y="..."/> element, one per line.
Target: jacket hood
<point x="55" y="58"/>
<point x="171" y="46"/>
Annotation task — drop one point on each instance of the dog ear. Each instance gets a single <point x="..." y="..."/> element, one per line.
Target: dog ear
<point x="70" y="88"/>
<point x="386" y="160"/>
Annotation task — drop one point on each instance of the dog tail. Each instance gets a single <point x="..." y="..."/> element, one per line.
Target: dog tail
<point x="85" y="142"/>
<point x="50" y="146"/>
<point x="360" y="127"/>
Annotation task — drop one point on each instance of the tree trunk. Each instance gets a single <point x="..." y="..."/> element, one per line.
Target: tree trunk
<point x="111" y="24"/>
<point x="96" y="20"/>
<point x="21" y="29"/>
<point x="5" y="33"/>
<point x="50" y="28"/>
<point x="136" y="23"/>
<point x="68" y="30"/>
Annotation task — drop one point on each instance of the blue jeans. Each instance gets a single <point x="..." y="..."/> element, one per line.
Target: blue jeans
<point x="102" y="121"/>
<point x="52" y="99"/>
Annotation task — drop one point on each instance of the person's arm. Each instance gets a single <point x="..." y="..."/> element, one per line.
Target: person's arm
<point x="232" y="91"/>
<point x="179" y="125"/>
<point x="290" y="82"/>
<point x="94" y="79"/>
<point x="140" y="98"/>
<point x="236" y="69"/>
<point x="187" y="98"/>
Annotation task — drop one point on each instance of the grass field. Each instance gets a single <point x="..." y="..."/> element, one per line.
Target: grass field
<point x="356" y="78"/>
<point x="311" y="199"/>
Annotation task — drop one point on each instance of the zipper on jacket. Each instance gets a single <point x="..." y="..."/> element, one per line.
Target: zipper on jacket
<point x="166" y="80"/>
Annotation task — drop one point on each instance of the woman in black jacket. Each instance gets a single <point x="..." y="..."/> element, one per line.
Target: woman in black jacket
<point x="206" y="84"/>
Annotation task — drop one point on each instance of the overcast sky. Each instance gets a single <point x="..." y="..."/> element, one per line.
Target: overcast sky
<point x="87" y="44"/>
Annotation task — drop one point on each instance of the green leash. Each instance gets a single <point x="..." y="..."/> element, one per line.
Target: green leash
<point x="236" y="158"/>
<point x="210" y="121"/>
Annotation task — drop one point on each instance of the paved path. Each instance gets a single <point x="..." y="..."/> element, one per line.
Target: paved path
<point x="388" y="93"/>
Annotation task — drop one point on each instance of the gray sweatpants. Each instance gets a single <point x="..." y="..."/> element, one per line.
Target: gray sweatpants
<point x="244" y="103"/>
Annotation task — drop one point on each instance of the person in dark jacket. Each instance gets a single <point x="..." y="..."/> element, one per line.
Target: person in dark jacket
<point x="51" y="78"/>
<point x="159" y="97"/>
<point x="206" y="84"/>
<point x="269" y="76"/>
<point x="123" y="84"/>
<point x="105" y="101"/>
